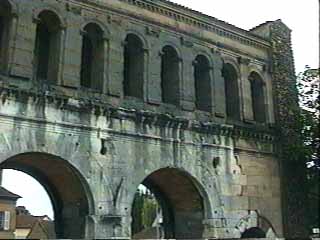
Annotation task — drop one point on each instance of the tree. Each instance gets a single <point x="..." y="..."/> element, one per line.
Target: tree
<point x="308" y="86"/>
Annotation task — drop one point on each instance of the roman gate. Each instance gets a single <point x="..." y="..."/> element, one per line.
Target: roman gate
<point x="100" y="96"/>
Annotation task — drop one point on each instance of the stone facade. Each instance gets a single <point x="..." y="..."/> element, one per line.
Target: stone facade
<point x="98" y="97"/>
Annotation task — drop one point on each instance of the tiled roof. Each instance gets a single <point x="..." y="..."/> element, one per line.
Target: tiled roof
<point x="27" y="221"/>
<point x="5" y="194"/>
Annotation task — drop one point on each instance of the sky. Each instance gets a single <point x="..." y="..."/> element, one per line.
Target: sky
<point x="300" y="16"/>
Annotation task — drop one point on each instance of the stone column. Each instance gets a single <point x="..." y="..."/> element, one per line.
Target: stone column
<point x="187" y="84"/>
<point x="106" y="63"/>
<point x="245" y="94"/>
<point x="72" y="56"/>
<point x="218" y="91"/>
<point x="115" y="86"/>
<point x="22" y="47"/>
<point x="154" y="80"/>
<point x="145" y="73"/>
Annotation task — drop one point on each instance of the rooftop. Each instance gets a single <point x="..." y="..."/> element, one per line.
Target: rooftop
<point x="6" y="194"/>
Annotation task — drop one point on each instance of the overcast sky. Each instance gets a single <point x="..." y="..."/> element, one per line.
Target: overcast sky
<point x="300" y="16"/>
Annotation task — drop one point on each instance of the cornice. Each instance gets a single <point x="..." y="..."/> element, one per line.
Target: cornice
<point x="143" y="117"/>
<point x="187" y="16"/>
<point x="200" y="20"/>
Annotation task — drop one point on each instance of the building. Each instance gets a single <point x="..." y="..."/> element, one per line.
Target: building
<point x="33" y="227"/>
<point x="97" y="97"/>
<point x="8" y="202"/>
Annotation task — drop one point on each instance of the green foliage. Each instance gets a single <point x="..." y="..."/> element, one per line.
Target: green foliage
<point x="144" y="211"/>
<point x="308" y="85"/>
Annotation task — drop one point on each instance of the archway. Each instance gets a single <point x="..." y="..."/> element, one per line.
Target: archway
<point x="47" y="47"/>
<point x="182" y="203"/>
<point x="170" y="68"/>
<point x="133" y="66"/>
<point x="92" y="58"/>
<point x="67" y="189"/>
<point x="230" y="76"/>
<point x="202" y="82"/>
<point x="257" y="97"/>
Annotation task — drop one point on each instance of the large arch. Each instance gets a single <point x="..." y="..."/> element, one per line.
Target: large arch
<point x="183" y="201"/>
<point x="67" y="188"/>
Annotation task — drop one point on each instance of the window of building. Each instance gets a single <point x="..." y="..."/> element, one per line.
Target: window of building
<point x="5" y="12"/>
<point x="170" y="67"/>
<point x="230" y="76"/>
<point x="133" y="66"/>
<point x="257" y="97"/>
<point x="47" y="49"/>
<point x="92" y="60"/>
<point x="4" y="220"/>
<point x="202" y="83"/>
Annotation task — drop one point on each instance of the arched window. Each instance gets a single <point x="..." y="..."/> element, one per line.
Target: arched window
<point x="232" y="91"/>
<point x="47" y="49"/>
<point x="5" y="19"/>
<point x="92" y="60"/>
<point x="170" y="75"/>
<point x="257" y="97"/>
<point x="202" y="83"/>
<point x="133" y="66"/>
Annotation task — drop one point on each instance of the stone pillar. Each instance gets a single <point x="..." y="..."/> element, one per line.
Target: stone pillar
<point x="219" y="95"/>
<point x="60" y="57"/>
<point x="22" y="47"/>
<point x="245" y="94"/>
<point x="154" y="80"/>
<point x="187" y="84"/>
<point x="72" y="56"/>
<point x="115" y="86"/>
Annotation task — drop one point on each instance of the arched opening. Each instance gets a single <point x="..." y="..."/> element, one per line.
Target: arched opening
<point x="133" y="66"/>
<point x="47" y="47"/>
<point x="202" y="83"/>
<point x="5" y="22"/>
<point x="92" y="59"/>
<point x="180" y="206"/>
<point x="230" y="76"/>
<point x="33" y="211"/>
<point x="67" y="189"/>
<point x="254" y="232"/>
<point x="170" y="67"/>
<point x="257" y="97"/>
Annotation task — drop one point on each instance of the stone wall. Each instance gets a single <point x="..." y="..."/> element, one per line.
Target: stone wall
<point x="92" y="148"/>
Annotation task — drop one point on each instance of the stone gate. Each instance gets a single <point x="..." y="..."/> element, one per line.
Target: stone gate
<point x="99" y="96"/>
